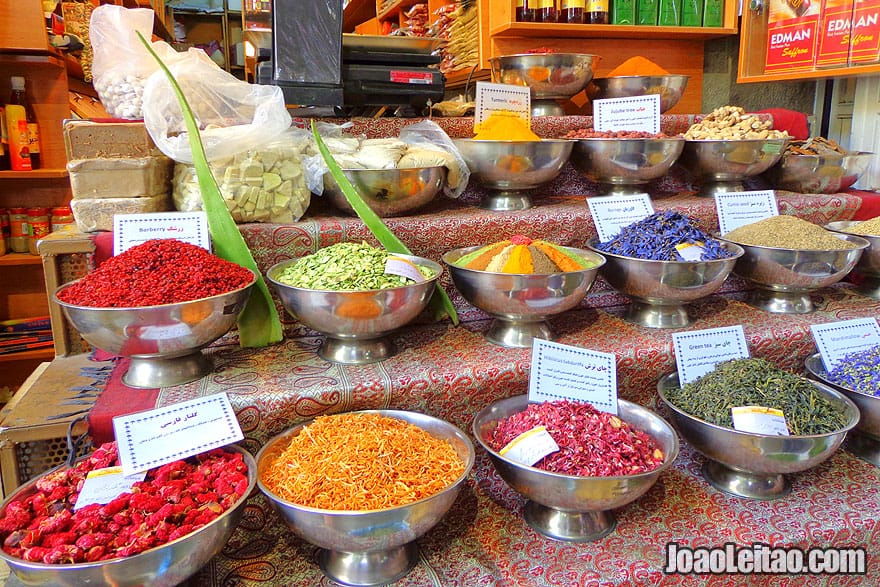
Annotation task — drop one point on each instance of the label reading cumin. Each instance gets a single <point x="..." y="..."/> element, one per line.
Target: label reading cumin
<point x="530" y="447"/>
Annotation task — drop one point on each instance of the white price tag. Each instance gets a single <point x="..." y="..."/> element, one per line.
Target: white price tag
<point x="698" y="351"/>
<point x="566" y="372"/>
<point x="133" y="229"/>
<point x="502" y="100"/>
<point x="403" y="268"/>
<point x="612" y="214"/>
<point x="637" y="113"/>
<point x="737" y="209"/>
<point x="835" y="340"/>
<point x="104" y="485"/>
<point x="759" y="420"/>
<point x="530" y="447"/>
<point x="690" y="251"/>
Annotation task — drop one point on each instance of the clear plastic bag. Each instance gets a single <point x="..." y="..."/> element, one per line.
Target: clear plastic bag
<point x="233" y="116"/>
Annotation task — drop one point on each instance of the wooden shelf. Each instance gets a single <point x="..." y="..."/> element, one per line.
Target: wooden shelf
<point x="49" y="173"/>
<point x="607" y="31"/>
<point x="41" y="354"/>
<point x="13" y="259"/>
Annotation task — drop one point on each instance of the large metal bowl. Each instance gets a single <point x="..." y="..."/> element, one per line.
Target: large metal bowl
<point x="371" y="547"/>
<point x="163" y="342"/>
<point x="163" y="566"/>
<point x="818" y="174"/>
<point x="521" y="303"/>
<point x="566" y="507"/>
<point x="550" y="76"/>
<point x="660" y="289"/>
<point x="783" y="278"/>
<point x="754" y="465"/>
<point x="356" y="323"/>
<point x="864" y="442"/>
<point x="509" y="169"/>
<point x="389" y="192"/>
<point x="721" y="165"/>
<point x="868" y="267"/>
<point x="669" y="87"/>
<point x="625" y="164"/>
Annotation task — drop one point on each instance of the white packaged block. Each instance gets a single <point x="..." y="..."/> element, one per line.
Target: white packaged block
<point x="97" y="213"/>
<point x="120" y="177"/>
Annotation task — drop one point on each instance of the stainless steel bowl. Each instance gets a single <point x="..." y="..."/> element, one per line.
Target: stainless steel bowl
<point x="356" y="323"/>
<point x="566" y="507"/>
<point x="669" y="87"/>
<point x="371" y="547"/>
<point x="521" y="303"/>
<point x="818" y="174"/>
<point x="389" y="192"/>
<point x="162" y="566"/>
<point x="624" y="165"/>
<point x="509" y="169"/>
<point x="754" y="465"/>
<point x="722" y="165"/>
<point x="864" y="441"/>
<point x="550" y="76"/>
<point x="163" y="342"/>
<point x="660" y="289"/>
<point x="868" y="267"/>
<point x="783" y="278"/>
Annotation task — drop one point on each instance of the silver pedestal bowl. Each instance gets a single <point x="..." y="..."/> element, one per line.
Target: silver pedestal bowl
<point x="818" y="174"/>
<point x="163" y="566"/>
<point x="372" y="547"/>
<point x="521" y="303"/>
<point x="510" y="169"/>
<point x="721" y="164"/>
<point x="550" y="76"/>
<point x="660" y="289"/>
<point x="356" y="323"/>
<point x="752" y="465"/>
<point x="783" y="278"/>
<point x="669" y="87"/>
<point x="389" y="192"/>
<point x="625" y="165"/>
<point x="864" y="441"/>
<point x="163" y="342"/>
<point x="566" y="507"/>
<point x="868" y="267"/>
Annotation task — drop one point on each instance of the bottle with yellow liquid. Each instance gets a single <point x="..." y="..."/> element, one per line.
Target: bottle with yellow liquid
<point x="19" y="98"/>
<point x="19" y="145"/>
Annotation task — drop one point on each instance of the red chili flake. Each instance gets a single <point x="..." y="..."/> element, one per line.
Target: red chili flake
<point x="40" y="529"/>
<point x="591" y="443"/>
<point x="156" y="272"/>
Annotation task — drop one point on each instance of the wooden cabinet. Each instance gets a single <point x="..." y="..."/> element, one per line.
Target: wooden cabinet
<point x="24" y="51"/>
<point x="204" y="27"/>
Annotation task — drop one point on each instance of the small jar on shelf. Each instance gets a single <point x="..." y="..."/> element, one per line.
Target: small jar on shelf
<point x="38" y="227"/>
<point x="18" y="230"/>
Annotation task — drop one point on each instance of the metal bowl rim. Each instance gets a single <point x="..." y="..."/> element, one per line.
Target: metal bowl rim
<point x="38" y="566"/>
<point x="468" y="466"/>
<point x="864" y="244"/>
<point x="738" y="251"/>
<point x="827" y="388"/>
<point x="464" y="250"/>
<point x="506" y="141"/>
<point x="837" y="226"/>
<point x="823" y="379"/>
<point x="830" y="157"/>
<point x="614" y="77"/>
<point x="767" y="140"/>
<point x="668" y="460"/>
<point x="676" y="139"/>
<point x="389" y="169"/>
<point x="437" y="267"/>
<point x="147" y="308"/>
<point x="566" y="54"/>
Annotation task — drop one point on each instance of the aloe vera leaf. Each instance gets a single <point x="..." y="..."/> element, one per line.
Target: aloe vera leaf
<point x="439" y="304"/>
<point x="258" y="323"/>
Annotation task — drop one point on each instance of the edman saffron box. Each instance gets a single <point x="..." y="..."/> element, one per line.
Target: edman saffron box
<point x="834" y="34"/>
<point x="865" y="35"/>
<point x="791" y="36"/>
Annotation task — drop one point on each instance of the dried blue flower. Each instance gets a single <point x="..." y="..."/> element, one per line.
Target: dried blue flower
<point x="656" y="237"/>
<point x="859" y="371"/>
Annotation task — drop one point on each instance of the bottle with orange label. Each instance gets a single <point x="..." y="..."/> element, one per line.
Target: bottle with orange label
<point x="19" y="99"/>
<point x="19" y="145"/>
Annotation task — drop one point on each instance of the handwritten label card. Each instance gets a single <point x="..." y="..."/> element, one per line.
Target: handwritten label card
<point x="530" y="447"/>
<point x="698" y="351"/>
<point x="638" y="113"/>
<point x="737" y="209"/>
<point x="104" y="485"/>
<point x="759" y="420"/>
<point x="155" y="437"/>
<point x="835" y="340"/>
<point x="612" y="214"/>
<point x="504" y="100"/>
<point x="133" y="229"/>
<point x="566" y="372"/>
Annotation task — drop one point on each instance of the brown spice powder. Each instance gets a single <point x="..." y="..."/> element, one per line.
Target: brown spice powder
<point x="789" y="232"/>
<point x="868" y="227"/>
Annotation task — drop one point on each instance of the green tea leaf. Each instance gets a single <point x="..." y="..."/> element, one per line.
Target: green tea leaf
<point x="440" y="304"/>
<point x="258" y="323"/>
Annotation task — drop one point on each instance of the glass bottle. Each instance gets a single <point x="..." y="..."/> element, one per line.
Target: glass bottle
<point x="542" y="10"/>
<point x="61" y="217"/>
<point x="38" y="227"/>
<point x="597" y="12"/>
<point x="4" y="141"/>
<point x="521" y="14"/>
<point x="572" y="11"/>
<point x="4" y="230"/>
<point x="19" y="97"/>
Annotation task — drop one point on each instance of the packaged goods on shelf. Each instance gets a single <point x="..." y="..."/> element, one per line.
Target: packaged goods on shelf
<point x="120" y="177"/>
<point x="92" y="214"/>
<point x="87" y="139"/>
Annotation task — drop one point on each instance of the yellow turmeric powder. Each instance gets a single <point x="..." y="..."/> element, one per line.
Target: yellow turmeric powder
<point x="504" y="127"/>
<point x="637" y="65"/>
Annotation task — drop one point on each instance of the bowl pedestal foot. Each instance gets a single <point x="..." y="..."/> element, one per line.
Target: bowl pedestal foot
<point x="547" y="107"/>
<point x="744" y="484"/>
<point x="356" y="352"/>
<point x="568" y="526"/>
<point x="870" y="286"/>
<point x="657" y="315"/>
<point x="150" y="373"/>
<point x="864" y="447"/>
<point x="779" y="302"/>
<point x="377" y="567"/>
<point x="717" y="186"/>
<point x="518" y="333"/>
<point x="506" y="201"/>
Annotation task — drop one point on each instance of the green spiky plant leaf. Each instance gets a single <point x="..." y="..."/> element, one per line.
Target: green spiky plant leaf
<point x="439" y="304"/>
<point x="258" y="323"/>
